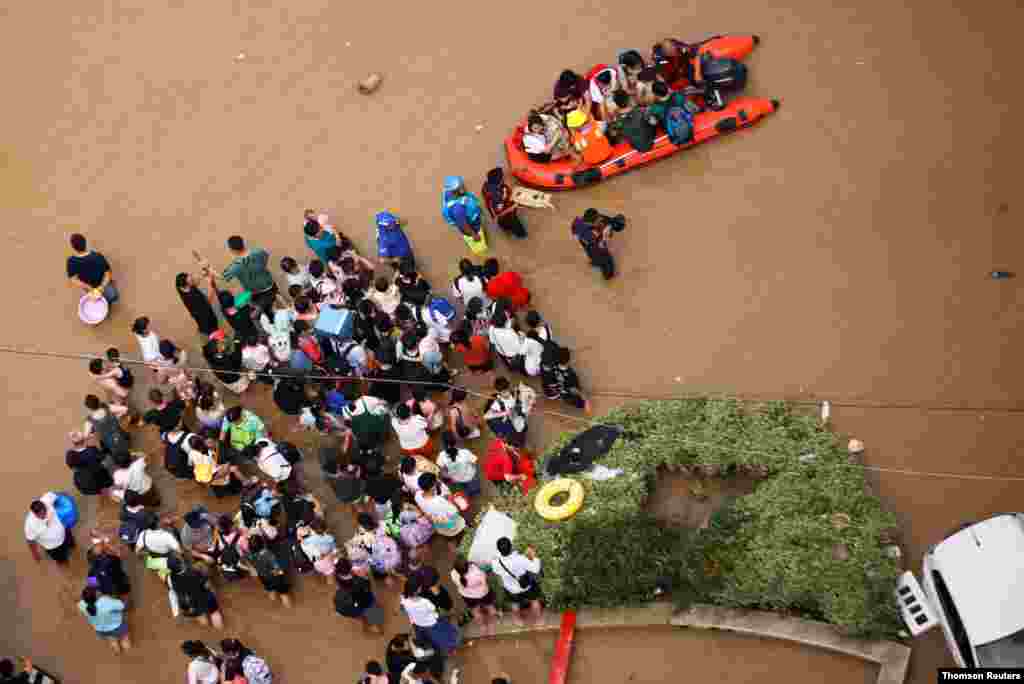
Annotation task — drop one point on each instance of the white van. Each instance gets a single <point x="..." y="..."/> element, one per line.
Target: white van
<point x="974" y="588"/>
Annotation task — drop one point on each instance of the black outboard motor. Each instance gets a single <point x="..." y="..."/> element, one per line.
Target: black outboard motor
<point x="721" y="76"/>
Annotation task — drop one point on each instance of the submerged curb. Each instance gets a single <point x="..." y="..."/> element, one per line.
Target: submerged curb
<point x="892" y="658"/>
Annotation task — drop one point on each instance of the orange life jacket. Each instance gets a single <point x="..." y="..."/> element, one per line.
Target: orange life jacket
<point x="592" y="143"/>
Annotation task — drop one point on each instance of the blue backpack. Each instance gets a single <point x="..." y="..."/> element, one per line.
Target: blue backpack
<point x="441" y="309"/>
<point x="264" y="504"/>
<point x="679" y="125"/>
<point x="335" y="402"/>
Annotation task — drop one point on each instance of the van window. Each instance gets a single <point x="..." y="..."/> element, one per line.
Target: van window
<point x="963" y="644"/>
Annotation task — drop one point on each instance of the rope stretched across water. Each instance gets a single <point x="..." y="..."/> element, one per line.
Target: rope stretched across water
<point x="579" y="419"/>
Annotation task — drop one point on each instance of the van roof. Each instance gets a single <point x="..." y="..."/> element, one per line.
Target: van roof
<point x="983" y="568"/>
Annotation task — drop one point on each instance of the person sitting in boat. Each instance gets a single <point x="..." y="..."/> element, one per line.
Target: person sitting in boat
<point x="588" y="137"/>
<point x="618" y="109"/>
<point x="603" y="83"/>
<point x="645" y="81"/>
<point x="546" y="139"/>
<point x="570" y="94"/>
<point x="631" y="63"/>
<point x="673" y="112"/>
<point x="674" y="62"/>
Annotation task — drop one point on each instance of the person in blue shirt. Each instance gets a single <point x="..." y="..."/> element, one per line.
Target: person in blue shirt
<point x="106" y="615"/>
<point x="319" y="238"/>
<point x="462" y="210"/>
<point x="393" y="245"/>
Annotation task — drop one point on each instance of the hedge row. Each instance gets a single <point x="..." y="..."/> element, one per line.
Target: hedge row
<point x="776" y="549"/>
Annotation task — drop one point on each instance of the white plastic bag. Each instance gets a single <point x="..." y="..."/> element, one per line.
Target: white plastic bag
<point x="172" y="598"/>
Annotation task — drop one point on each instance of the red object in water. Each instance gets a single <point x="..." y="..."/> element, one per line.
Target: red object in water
<point x="563" y="649"/>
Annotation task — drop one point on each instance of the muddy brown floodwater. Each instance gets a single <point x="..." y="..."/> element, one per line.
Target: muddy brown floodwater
<point x="840" y="248"/>
<point x="663" y="654"/>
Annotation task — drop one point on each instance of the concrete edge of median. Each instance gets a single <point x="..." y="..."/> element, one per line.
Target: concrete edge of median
<point x="892" y="658"/>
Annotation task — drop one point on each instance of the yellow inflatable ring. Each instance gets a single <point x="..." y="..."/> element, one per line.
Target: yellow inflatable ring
<point x="565" y="510"/>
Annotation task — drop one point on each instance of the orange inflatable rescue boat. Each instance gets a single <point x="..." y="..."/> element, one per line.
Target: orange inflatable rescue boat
<point x="738" y="112"/>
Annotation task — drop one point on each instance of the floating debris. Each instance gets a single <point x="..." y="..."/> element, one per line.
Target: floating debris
<point x="370" y="83"/>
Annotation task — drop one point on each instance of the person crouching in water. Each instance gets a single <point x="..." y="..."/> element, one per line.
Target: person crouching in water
<point x="498" y="198"/>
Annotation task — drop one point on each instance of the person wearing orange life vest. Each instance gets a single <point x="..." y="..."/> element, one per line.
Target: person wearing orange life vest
<point x="588" y="137"/>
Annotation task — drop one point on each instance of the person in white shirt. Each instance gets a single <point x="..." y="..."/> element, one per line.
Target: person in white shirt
<point x="202" y="668"/>
<point x="470" y="283"/>
<point x="415" y="673"/>
<point x="385" y="295"/>
<point x="507" y="343"/>
<point x="459" y="466"/>
<point x="447" y="520"/>
<point x="158" y="542"/>
<point x="602" y="85"/>
<point x="533" y="350"/>
<point x="149" y="341"/>
<point x="256" y="356"/>
<point x="43" y="529"/>
<point x="413" y="436"/>
<point x="409" y="470"/>
<point x="295" y="273"/>
<point x="132" y="476"/>
<point x="427" y="623"/>
<point x="519" y="576"/>
<point x="356" y="356"/>
<point x="271" y="462"/>
<point x="507" y="410"/>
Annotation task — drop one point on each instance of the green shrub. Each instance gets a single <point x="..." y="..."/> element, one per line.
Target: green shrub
<point x="771" y="550"/>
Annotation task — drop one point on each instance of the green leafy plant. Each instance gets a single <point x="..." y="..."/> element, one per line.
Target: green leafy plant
<point x="779" y="548"/>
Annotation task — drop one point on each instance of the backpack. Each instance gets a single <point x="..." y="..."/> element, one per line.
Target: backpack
<point x="229" y="559"/>
<point x="129" y="531"/>
<point x="107" y="573"/>
<point x="345" y="603"/>
<point x="176" y="461"/>
<point x="256" y="670"/>
<point x="311" y="349"/>
<point x="679" y="125"/>
<point x="385" y="554"/>
<point x="300" y="561"/>
<point x="441" y="310"/>
<point x="263" y="505"/>
<point x="281" y="347"/>
<point x="638" y="131"/>
<point x="336" y="402"/>
<point x="415" y="530"/>
<point x="290" y="452"/>
<point x="86" y="481"/>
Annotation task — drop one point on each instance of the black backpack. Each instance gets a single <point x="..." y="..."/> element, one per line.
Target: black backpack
<point x="86" y="481"/>
<point x="228" y="560"/>
<point x="108" y="573"/>
<point x="290" y="452"/>
<point x="176" y="461"/>
<point x="300" y="561"/>
<point x="638" y="130"/>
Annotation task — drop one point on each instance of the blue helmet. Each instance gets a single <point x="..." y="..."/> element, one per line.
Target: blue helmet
<point x="452" y="183"/>
<point x="386" y="220"/>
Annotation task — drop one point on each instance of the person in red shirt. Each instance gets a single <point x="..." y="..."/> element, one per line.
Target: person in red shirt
<point x="507" y="285"/>
<point x="505" y="465"/>
<point x="475" y="350"/>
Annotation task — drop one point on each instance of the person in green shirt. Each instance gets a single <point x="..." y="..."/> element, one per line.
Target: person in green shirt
<point x="249" y="267"/>
<point x="664" y="100"/>
<point x="319" y="237"/>
<point x="241" y="428"/>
